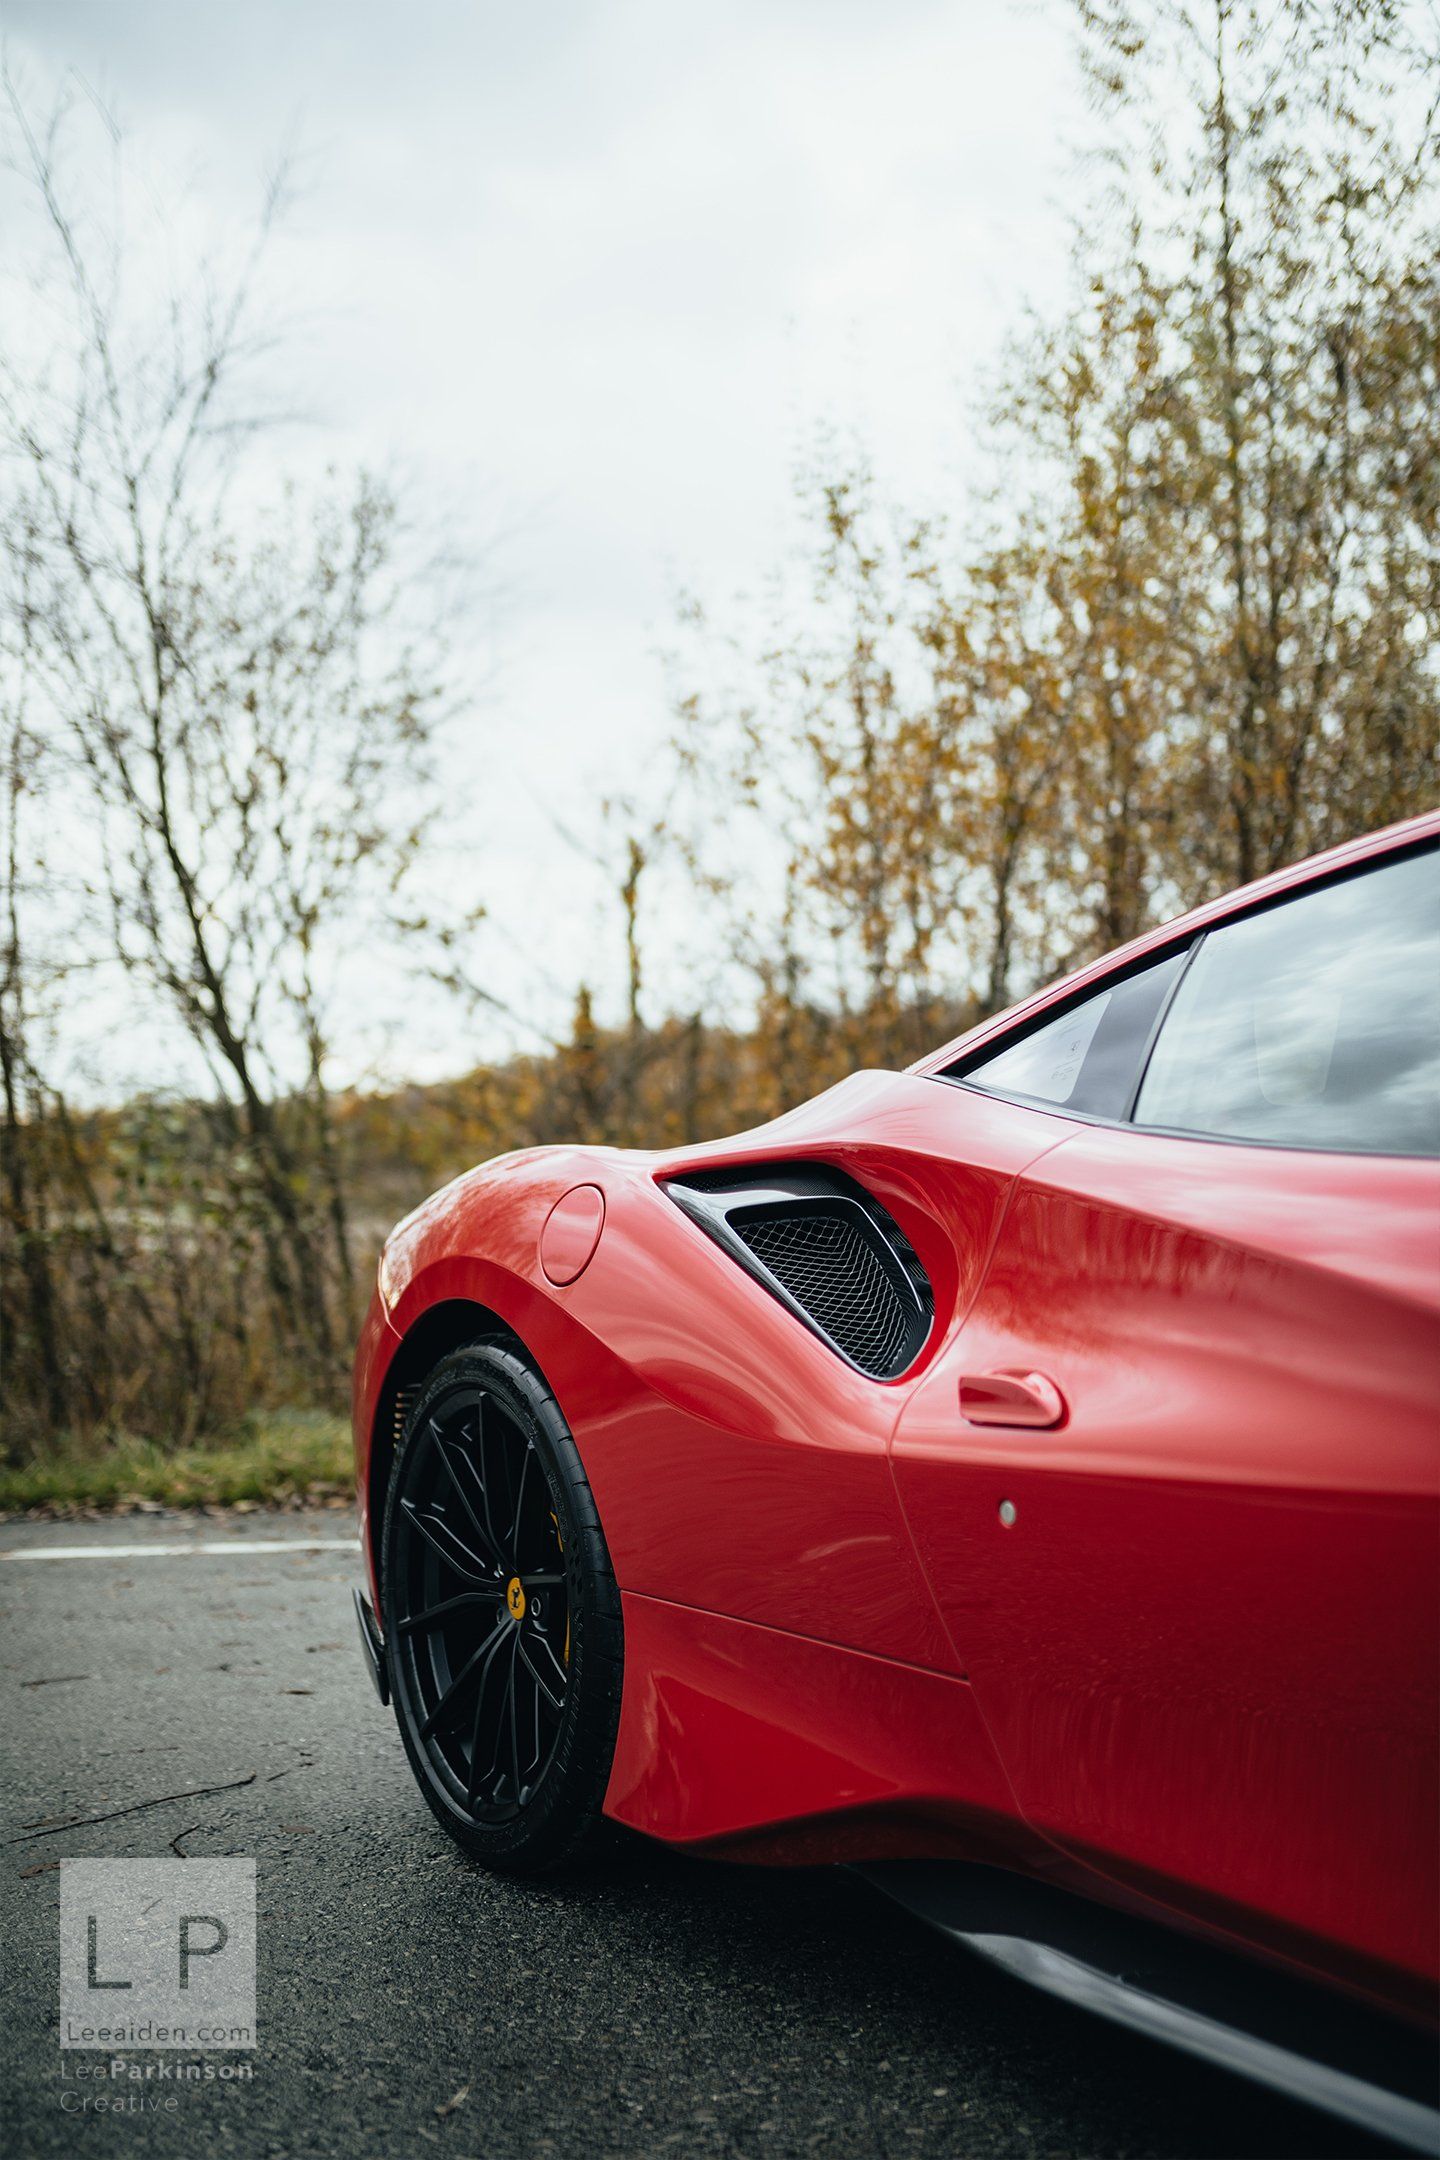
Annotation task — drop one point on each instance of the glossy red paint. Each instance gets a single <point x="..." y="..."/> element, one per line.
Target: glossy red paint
<point x="1191" y="1669"/>
<point x="731" y="1725"/>
<point x="1206" y="1645"/>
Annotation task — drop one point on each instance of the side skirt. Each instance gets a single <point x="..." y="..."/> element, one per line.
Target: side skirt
<point x="1258" y="2023"/>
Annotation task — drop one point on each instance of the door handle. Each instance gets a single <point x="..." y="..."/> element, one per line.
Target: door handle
<point x="1010" y="1398"/>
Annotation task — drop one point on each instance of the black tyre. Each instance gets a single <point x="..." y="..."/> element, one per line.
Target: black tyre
<point x="502" y="1619"/>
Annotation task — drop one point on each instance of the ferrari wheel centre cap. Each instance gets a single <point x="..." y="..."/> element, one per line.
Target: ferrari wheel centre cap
<point x="515" y="1597"/>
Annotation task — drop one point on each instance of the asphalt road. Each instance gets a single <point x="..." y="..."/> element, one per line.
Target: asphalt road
<point x="408" y="2003"/>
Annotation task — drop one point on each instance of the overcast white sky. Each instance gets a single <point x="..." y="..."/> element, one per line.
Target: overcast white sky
<point x="600" y="267"/>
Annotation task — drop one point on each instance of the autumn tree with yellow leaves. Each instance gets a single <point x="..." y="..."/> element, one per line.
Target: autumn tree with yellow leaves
<point x="1193" y="634"/>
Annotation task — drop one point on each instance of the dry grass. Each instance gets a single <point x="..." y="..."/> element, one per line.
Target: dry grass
<point x="269" y="1457"/>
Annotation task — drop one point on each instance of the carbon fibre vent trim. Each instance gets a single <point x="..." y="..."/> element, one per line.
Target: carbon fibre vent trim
<point x="827" y="1250"/>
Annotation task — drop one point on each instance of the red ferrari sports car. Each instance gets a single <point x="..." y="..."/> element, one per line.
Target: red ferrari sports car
<point x="1016" y="1476"/>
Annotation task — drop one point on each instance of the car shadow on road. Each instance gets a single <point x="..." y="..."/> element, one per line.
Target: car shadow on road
<point x="926" y="2021"/>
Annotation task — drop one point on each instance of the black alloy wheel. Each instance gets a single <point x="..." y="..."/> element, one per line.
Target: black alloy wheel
<point x="501" y="1614"/>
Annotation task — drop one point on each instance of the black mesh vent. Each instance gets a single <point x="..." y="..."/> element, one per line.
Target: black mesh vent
<point x="827" y="1249"/>
<point x="830" y="1267"/>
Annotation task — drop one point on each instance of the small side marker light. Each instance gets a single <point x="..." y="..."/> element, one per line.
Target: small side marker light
<point x="1007" y="1513"/>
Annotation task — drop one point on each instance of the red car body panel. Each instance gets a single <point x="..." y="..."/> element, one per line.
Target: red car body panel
<point x="1206" y="1649"/>
<point x="1194" y="1676"/>
<point x="767" y="1745"/>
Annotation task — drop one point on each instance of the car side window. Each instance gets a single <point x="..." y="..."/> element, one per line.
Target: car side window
<point x="1315" y="1023"/>
<point x="1089" y="1059"/>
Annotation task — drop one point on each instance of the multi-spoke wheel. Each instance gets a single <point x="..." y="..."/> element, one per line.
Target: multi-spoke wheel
<point x="502" y="1620"/>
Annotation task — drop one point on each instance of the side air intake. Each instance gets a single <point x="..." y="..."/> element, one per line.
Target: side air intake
<point x="827" y="1250"/>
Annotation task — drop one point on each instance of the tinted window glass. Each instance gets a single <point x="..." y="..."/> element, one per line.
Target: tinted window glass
<point x="1088" y="1059"/>
<point x="1314" y="1024"/>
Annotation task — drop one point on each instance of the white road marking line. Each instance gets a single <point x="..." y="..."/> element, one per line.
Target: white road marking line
<point x="177" y="1552"/>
